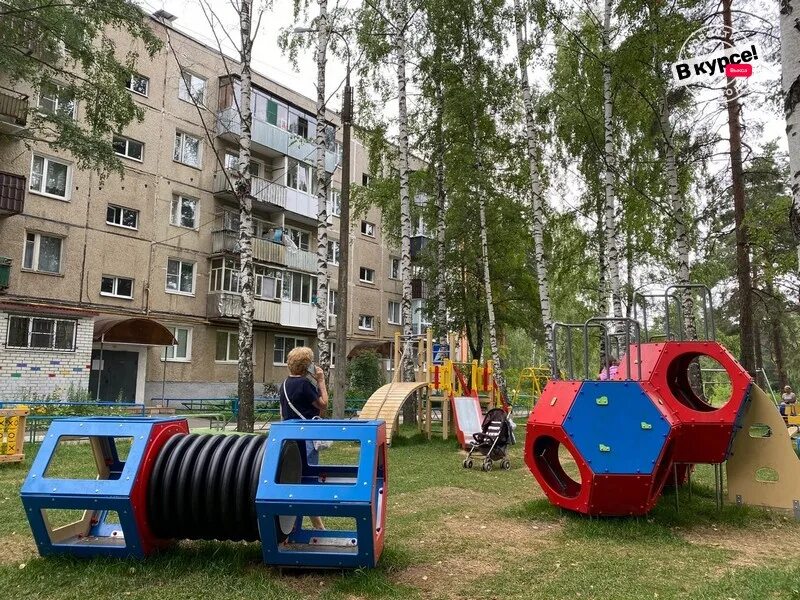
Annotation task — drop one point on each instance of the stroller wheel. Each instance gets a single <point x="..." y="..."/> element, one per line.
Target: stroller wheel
<point x="506" y="464"/>
<point x="464" y="464"/>
<point x="468" y="463"/>
<point x="487" y="464"/>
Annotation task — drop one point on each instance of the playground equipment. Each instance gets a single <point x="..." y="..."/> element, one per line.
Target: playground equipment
<point x="631" y="435"/>
<point x="175" y="485"/>
<point x="12" y="433"/>
<point x="530" y="383"/>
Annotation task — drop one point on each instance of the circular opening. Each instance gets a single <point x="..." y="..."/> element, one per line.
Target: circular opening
<point x="699" y="382"/>
<point x="558" y="466"/>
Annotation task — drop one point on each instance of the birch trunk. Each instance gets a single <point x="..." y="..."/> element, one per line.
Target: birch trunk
<point x="739" y="209"/>
<point x="441" y="201"/>
<point x="612" y="253"/>
<point x="245" y="418"/>
<point x="487" y="283"/>
<point x="323" y="350"/>
<point x="403" y="168"/>
<point x="790" y="64"/>
<point x="602" y="282"/>
<point x="537" y="198"/>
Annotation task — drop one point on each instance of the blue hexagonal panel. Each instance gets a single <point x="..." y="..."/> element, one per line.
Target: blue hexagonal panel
<point x="616" y="427"/>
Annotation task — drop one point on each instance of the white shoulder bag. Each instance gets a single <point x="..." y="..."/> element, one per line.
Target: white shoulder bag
<point x="318" y="444"/>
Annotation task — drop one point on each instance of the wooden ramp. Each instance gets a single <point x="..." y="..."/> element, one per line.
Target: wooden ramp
<point x="763" y="469"/>
<point x="387" y="401"/>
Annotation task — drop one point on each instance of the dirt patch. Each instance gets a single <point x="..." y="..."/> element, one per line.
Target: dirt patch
<point x="17" y="549"/>
<point x="752" y="547"/>
<point x="446" y="578"/>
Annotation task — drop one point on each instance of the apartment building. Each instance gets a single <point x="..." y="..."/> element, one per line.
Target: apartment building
<point x="80" y="257"/>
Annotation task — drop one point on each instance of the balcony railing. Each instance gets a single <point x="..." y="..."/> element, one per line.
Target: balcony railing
<point x="297" y="314"/>
<point x="301" y="203"/>
<point x="301" y="260"/>
<point x="274" y="138"/>
<point x="263" y="250"/>
<point x="261" y="189"/>
<point x="227" y="305"/>
<point x="13" y="107"/>
<point x="12" y="194"/>
<point x="419" y="288"/>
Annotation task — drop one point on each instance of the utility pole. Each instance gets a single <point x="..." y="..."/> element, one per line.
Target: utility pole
<point x="340" y="376"/>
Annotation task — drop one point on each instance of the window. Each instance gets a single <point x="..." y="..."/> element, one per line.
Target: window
<point x="128" y="148"/>
<point x="191" y="88"/>
<point x="333" y="252"/>
<point x="122" y="217"/>
<point x="301" y="124"/>
<point x="50" y="177"/>
<point x="277" y="113"/>
<point x="119" y="287"/>
<point x="394" y="268"/>
<point x="180" y="276"/>
<point x="332" y="350"/>
<point x="301" y="239"/>
<point x="42" y="253"/>
<point x="227" y="346"/>
<point x="56" y="100"/>
<point x="41" y="333"/>
<point x="187" y="149"/>
<point x="182" y="350"/>
<point x="299" y="287"/>
<point x="184" y="212"/>
<point x="368" y="228"/>
<point x="232" y="164"/>
<point x="224" y="275"/>
<point x="366" y="275"/>
<point x="365" y="179"/>
<point x="138" y="84"/>
<point x="332" y="306"/>
<point x="335" y="203"/>
<point x="300" y="176"/>
<point x="394" y="313"/>
<point x="366" y="322"/>
<point x="284" y="345"/>
<point x="268" y="282"/>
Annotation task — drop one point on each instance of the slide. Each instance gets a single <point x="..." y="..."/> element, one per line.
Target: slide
<point x="467" y="416"/>
<point x="763" y="469"/>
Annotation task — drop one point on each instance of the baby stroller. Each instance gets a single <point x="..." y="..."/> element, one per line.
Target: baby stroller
<point x="497" y="432"/>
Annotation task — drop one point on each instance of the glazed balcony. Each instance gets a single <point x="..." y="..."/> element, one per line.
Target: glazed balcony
<point x="13" y="109"/>
<point x="227" y="305"/>
<point x="12" y="194"/>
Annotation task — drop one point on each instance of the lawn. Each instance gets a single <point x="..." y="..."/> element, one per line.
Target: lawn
<point x="451" y="534"/>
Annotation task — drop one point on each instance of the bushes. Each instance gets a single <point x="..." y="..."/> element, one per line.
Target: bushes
<point x="364" y="374"/>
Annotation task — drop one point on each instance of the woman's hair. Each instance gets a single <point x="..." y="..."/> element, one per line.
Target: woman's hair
<point x="787" y="388"/>
<point x="298" y="360"/>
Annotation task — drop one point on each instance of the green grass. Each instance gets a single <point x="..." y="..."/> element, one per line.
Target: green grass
<point x="452" y="533"/>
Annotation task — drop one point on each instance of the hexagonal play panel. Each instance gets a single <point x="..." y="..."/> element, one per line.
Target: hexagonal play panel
<point x="617" y="428"/>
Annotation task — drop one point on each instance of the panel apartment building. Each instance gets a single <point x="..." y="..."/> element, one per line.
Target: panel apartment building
<point x="160" y="243"/>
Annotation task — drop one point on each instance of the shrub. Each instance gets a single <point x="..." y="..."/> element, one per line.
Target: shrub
<point x="365" y="375"/>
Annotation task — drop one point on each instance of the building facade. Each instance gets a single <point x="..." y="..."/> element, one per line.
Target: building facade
<point x="161" y="242"/>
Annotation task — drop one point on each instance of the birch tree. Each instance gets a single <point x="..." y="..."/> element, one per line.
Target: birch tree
<point x="790" y="66"/>
<point x="245" y="419"/>
<point x="537" y="198"/>
<point x="610" y="228"/>
<point x="323" y="348"/>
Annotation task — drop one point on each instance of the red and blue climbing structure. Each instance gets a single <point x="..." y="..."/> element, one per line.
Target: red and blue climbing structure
<point x="175" y="485"/>
<point x="632" y="434"/>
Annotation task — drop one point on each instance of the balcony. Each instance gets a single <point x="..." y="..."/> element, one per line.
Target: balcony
<point x="262" y="190"/>
<point x="263" y="250"/>
<point x="419" y="288"/>
<point x="418" y="245"/>
<point x="13" y="109"/>
<point x="300" y="260"/>
<point x="226" y="305"/>
<point x="302" y="204"/>
<point x="298" y="314"/>
<point x="270" y="139"/>
<point x="12" y="194"/>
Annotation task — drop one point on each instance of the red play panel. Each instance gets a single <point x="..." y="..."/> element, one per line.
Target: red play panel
<point x="555" y="402"/>
<point x="158" y="437"/>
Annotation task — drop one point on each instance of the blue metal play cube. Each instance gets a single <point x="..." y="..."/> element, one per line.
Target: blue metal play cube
<point x="290" y="488"/>
<point x="118" y="488"/>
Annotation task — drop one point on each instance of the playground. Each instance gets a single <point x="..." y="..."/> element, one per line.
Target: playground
<point x="452" y="533"/>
